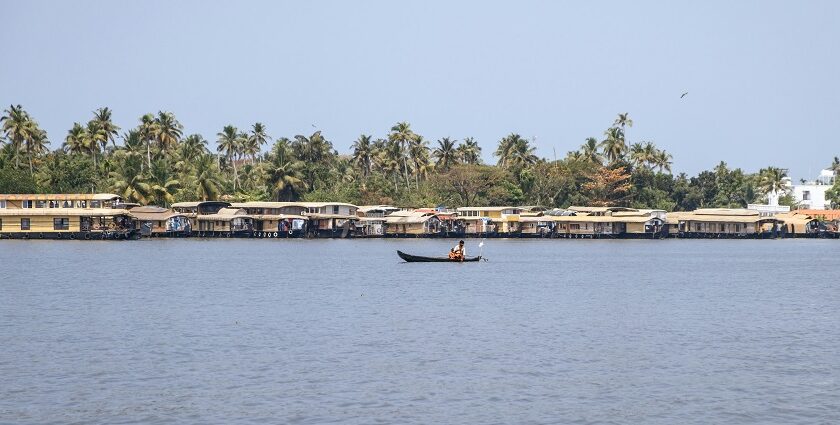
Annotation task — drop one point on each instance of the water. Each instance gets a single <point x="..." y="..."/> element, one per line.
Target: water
<point x="311" y="332"/>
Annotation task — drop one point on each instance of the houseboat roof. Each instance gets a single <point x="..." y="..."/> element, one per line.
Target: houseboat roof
<point x="338" y="216"/>
<point x="195" y="204"/>
<point x="726" y="211"/>
<point x="367" y="208"/>
<point x="153" y="213"/>
<point x="486" y="208"/>
<point x="59" y="212"/>
<point x="826" y="214"/>
<point x="225" y="214"/>
<point x="59" y="197"/>
<point x="411" y="217"/>
<point x="583" y="209"/>
<point x="712" y="218"/>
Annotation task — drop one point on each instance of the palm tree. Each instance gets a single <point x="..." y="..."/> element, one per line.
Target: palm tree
<point x="230" y="143"/>
<point x="36" y="144"/>
<point x="363" y="154"/>
<point x="162" y="183"/>
<point x="76" y="140"/>
<point x="192" y="147"/>
<point x="522" y="154"/>
<point x="503" y="151"/>
<point x="96" y="137"/>
<point x="18" y="127"/>
<point x="662" y="160"/>
<point x="147" y="130"/>
<point x="469" y="152"/>
<point x="285" y="178"/>
<point x="589" y="151"/>
<point x="129" y="182"/>
<point x="445" y="155"/>
<point x="613" y="145"/>
<point x="772" y="180"/>
<point x="133" y="141"/>
<point x="102" y="118"/>
<point x="167" y="130"/>
<point x="835" y="166"/>
<point x="401" y="133"/>
<point x="256" y="140"/>
<point x="419" y="152"/>
<point x="208" y="185"/>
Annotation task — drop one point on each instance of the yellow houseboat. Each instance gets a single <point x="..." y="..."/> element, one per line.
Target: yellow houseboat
<point x="152" y="221"/>
<point x="77" y="200"/>
<point x="66" y="223"/>
<point x="372" y="219"/>
<point x="797" y="225"/>
<point x="489" y="221"/>
<point x="722" y="223"/>
<point x="412" y="224"/>
<point x="275" y="219"/>
<point x="225" y="223"/>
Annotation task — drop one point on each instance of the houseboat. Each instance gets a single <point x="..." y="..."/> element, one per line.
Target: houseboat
<point x="797" y="225"/>
<point x="66" y="223"/>
<point x="722" y="223"/>
<point x="225" y="223"/>
<point x="413" y="224"/>
<point x="77" y="200"/>
<point x="276" y="219"/>
<point x="371" y="221"/>
<point x="489" y="221"/>
<point x="330" y="219"/>
<point x="155" y="222"/>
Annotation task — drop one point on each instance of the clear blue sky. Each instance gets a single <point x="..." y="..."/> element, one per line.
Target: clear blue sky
<point x="761" y="76"/>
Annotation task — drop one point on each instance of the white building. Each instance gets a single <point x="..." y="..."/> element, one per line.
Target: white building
<point x="811" y="194"/>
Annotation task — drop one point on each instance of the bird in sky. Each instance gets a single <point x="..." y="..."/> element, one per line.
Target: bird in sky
<point x="683" y="95"/>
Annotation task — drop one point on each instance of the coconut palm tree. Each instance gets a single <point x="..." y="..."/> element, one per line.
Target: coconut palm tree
<point x="469" y="152"/>
<point x="147" y="130"/>
<point x="402" y="133"/>
<point x="102" y="118"/>
<point x="76" y="140"/>
<point x="129" y="182"/>
<point x="133" y="142"/>
<point x="835" y="166"/>
<point x="36" y="145"/>
<point x="589" y="151"/>
<point x="208" y="185"/>
<point x="446" y="154"/>
<point x="613" y="144"/>
<point x="772" y="180"/>
<point x="363" y="154"/>
<point x="18" y="127"/>
<point x="167" y="131"/>
<point x="419" y="152"/>
<point x="162" y="183"/>
<point x="192" y="147"/>
<point x="662" y="160"/>
<point x="256" y="139"/>
<point x="230" y="143"/>
<point x="521" y="154"/>
<point x="285" y="178"/>
<point x="503" y="151"/>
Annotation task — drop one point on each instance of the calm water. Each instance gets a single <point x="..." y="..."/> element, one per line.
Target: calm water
<point x="311" y="332"/>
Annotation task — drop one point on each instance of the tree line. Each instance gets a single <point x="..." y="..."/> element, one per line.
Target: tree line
<point x="156" y="162"/>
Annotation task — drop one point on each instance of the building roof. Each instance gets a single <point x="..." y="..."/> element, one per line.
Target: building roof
<point x="367" y="208"/>
<point x="61" y="212"/>
<point x="225" y="214"/>
<point x="486" y="208"/>
<point x="726" y="212"/>
<point x="826" y="214"/>
<point x="409" y="218"/>
<point x="598" y="209"/>
<point x="153" y="213"/>
<point x="197" y="203"/>
<point x="60" y="197"/>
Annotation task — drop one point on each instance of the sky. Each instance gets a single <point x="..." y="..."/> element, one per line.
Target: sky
<point x="763" y="77"/>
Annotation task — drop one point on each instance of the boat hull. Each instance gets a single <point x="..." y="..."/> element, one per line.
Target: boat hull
<point x="408" y="258"/>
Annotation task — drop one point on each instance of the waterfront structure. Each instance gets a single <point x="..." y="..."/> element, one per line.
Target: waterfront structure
<point x="412" y="224"/>
<point x="798" y="225"/>
<point x="722" y="223"/>
<point x="152" y="221"/>
<point x="65" y="223"/>
<point x="489" y="221"/>
<point x="372" y="219"/>
<point x="76" y="200"/>
<point x="275" y="219"/>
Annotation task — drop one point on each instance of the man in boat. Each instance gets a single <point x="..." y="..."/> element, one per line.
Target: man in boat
<point x="459" y="252"/>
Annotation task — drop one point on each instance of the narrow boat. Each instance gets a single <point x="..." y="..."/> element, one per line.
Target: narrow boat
<point x="418" y="259"/>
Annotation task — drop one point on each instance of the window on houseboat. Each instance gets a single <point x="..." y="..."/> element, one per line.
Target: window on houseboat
<point x="697" y="227"/>
<point x="335" y="209"/>
<point x="3" y="204"/>
<point x="24" y="224"/>
<point x="40" y="204"/>
<point x="68" y="204"/>
<point x="1" y="224"/>
<point x="61" y="224"/>
<point x="737" y="227"/>
<point x="26" y="204"/>
<point x="722" y="227"/>
<point x="95" y="204"/>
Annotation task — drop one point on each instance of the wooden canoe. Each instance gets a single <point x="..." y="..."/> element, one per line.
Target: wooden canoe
<point x="419" y="259"/>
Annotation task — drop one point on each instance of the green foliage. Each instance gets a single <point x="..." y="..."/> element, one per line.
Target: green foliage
<point x="16" y="181"/>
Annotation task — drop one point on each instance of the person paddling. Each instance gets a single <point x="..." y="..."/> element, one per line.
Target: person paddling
<point x="459" y="252"/>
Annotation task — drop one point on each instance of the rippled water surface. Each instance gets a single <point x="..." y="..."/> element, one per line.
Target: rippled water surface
<point x="311" y="332"/>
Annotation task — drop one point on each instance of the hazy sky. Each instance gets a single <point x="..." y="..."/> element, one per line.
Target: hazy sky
<point x="761" y="76"/>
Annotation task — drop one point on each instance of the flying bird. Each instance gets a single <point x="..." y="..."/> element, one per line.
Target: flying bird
<point x="683" y="95"/>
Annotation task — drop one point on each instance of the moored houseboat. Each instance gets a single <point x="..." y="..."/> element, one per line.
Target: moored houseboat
<point x="489" y="221"/>
<point x="66" y="223"/>
<point x="796" y="225"/>
<point x="152" y="221"/>
<point x="226" y="223"/>
<point x="413" y="224"/>
<point x="330" y="219"/>
<point x="371" y="221"/>
<point x="722" y="223"/>
<point x="275" y="219"/>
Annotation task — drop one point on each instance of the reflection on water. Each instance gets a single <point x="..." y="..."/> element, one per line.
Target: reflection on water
<point x="193" y="331"/>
